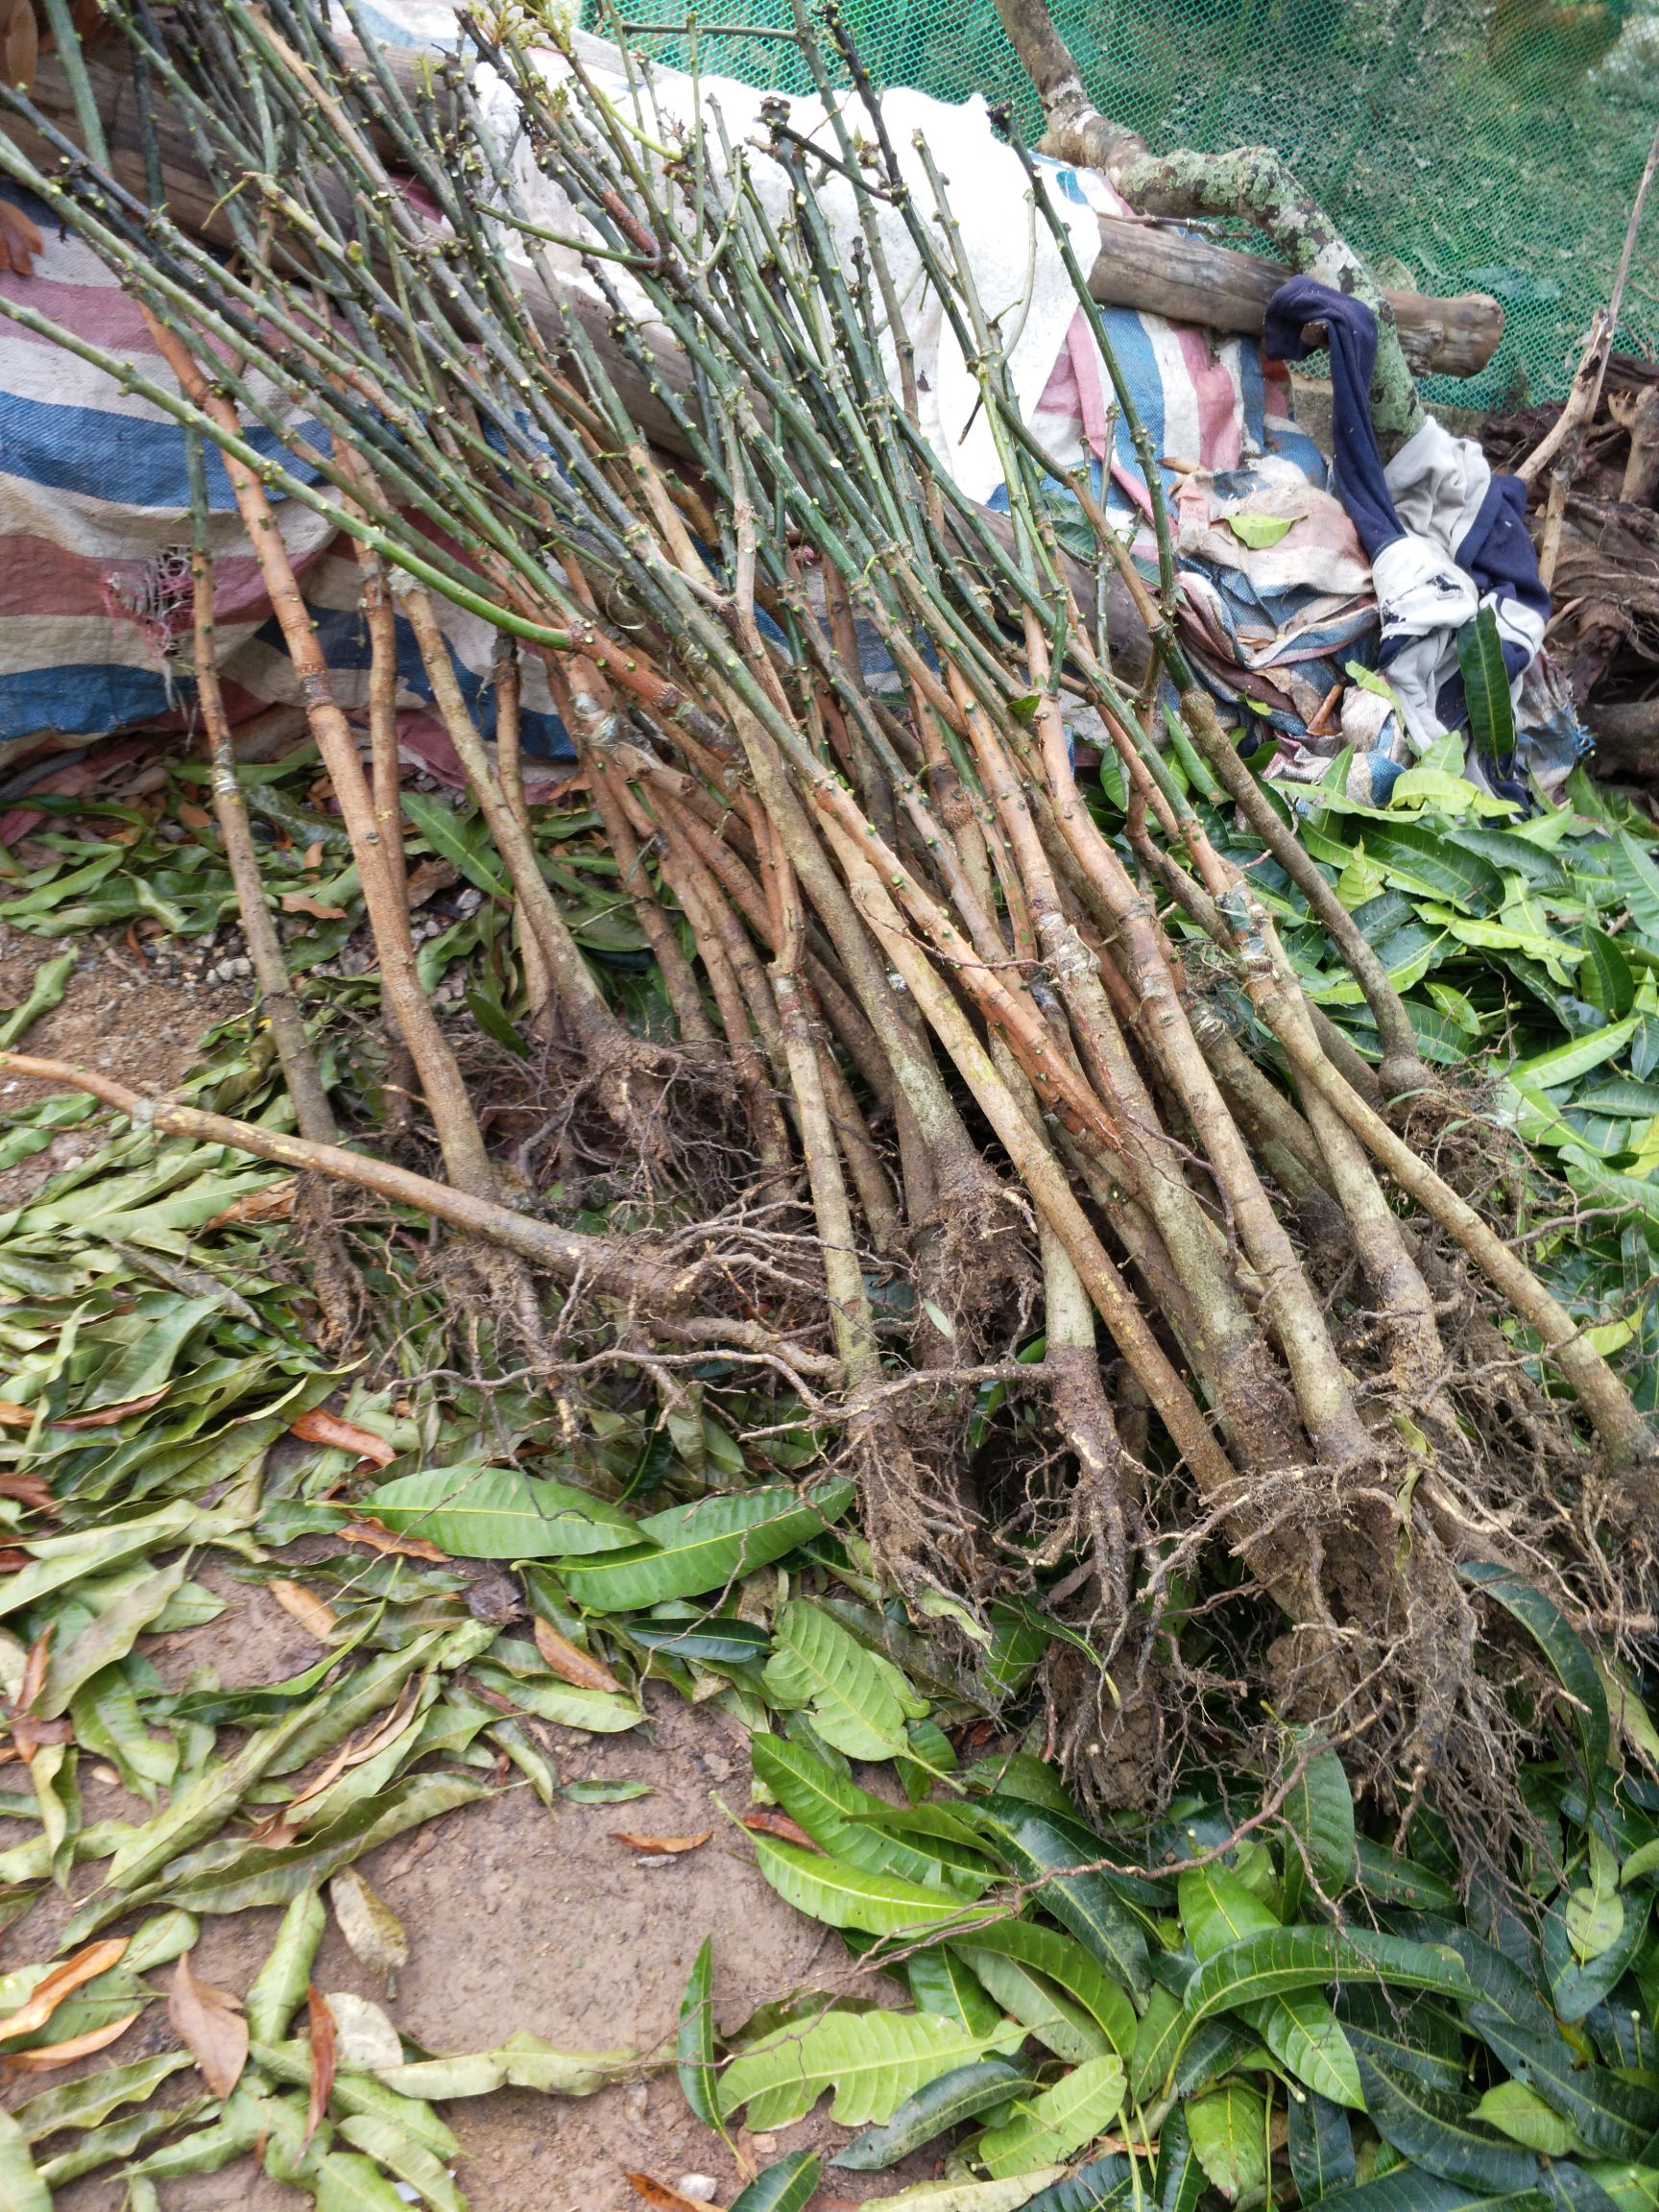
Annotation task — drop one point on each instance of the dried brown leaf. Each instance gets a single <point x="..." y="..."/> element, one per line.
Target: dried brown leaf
<point x="48" y="2056"/>
<point x="654" y="1844"/>
<point x="321" y="2022"/>
<point x="571" y="1663"/>
<point x="209" y="2023"/>
<point x="29" y="1490"/>
<point x="316" y="1618"/>
<point x="86" y="1965"/>
<point x="371" y="1930"/>
<point x="15" y="1416"/>
<point x="106" y="1416"/>
<point x="379" y="1538"/>
<point x="12" y="1559"/>
<point x="365" y="1745"/>
<point x="192" y="817"/>
<point x="308" y="902"/>
<point x="428" y="877"/>
<point x="28" y="1734"/>
<point x="661" y="2195"/>
<point x="34" y="1669"/>
<point x="765" y="1822"/>
<point x="273" y="1204"/>
<point x="321" y="1427"/>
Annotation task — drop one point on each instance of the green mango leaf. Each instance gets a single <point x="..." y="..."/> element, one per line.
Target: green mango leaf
<point x="1633" y="2188"/>
<point x="1217" y="1911"/>
<point x="445" y="832"/>
<point x="478" y="1512"/>
<point x="1410" y="2189"/>
<point x="1594" y="1913"/>
<point x="873" y="2061"/>
<point x="858" y="1700"/>
<point x="1638" y="879"/>
<point x="975" y="2196"/>
<point x="1258" y="531"/>
<point x="523" y="2061"/>
<point x="1058" y="2023"/>
<point x="1605" y="980"/>
<point x="1406" y="2034"/>
<point x="830" y="1807"/>
<point x="1561" y="1645"/>
<point x="706" y="1545"/>
<point x="1158" y="2041"/>
<point x="1395" y="1881"/>
<point x="1180" y="2180"/>
<point x="566" y="1704"/>
<point x="1486" y="686"/>
<point x="86" y="2102"/>
<point x="1040" y="1845"/>
<point x="694" y="2042"/>
<point x="1303" y="2033"/>
<point x="1230" y="2137"/>
<point x="1319" y="1814"/>
<point x="1057" y="2122"/>
<point x="1319" y="2144"/>
<point x="1577" y="1987"/>
<point x="21" y="2188"/>
<point x="942" y="1982"/>
<point x="1522" y="2115"/>
<point x="404" y="2159"/>
<point x="962" y="2094"/>
<point x="787" y="2186"/>
<point x="1438" y="2132"/>
<point x="720" y="1641"/>
<point x="1283" y="1958"/>
<point x="1566" y="1063"/>
<point x="1063" y="1961"/>
<point x="46" y="989"/>
<point x="844" y="1896"/>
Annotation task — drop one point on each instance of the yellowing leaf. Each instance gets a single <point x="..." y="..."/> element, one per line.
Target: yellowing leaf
<point x="1260" y="531"/>
<point x="373" y="1931"/>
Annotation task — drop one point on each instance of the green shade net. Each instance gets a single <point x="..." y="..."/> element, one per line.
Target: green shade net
<point x="1488" y="148"/>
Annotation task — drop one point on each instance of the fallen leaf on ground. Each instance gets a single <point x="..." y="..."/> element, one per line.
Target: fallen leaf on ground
<point x="28" y="1733"/>
<point x="764" y="1822"/>
<point x="29" y="1490"/>
<point x="321" y="1427"/>
<point x="34" y="1669"/>
<point x="85" y="1966"/>
<point x="192" y="817"/>
<point x="15" y="1416"/>
<point x="593" y="1791"/>
<point x="365" y="2039"/>
<point x="106" y="1416"/>
<point x="308" y="902"/>
<point x="283" y="1825"/>
<point x="371" y="1930"/>
<point x="10" y="1559"/>
<point x="273" y="1204"/>
<point x="661" y="2195"/>
<point x="379" y="1538"/>
<point x="321" y="2022"/>
<point x="655" y="1844"/>
<point x="428" y="877"/>
<point x="51" y="2055"/>
<point x="303" y="1605"/>
<point x="313" y="854"/>
<point x="571" y="1663"/>
<point x="210" y="2024"/>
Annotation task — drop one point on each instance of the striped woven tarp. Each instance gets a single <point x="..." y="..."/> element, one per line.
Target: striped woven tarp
<point x="95" y="590"/>
<point x="94" y="577"/>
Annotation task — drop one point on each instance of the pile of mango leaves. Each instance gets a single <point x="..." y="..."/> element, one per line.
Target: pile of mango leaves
<point x="1527" y="950"/>
<point x="1255" y="2002"/>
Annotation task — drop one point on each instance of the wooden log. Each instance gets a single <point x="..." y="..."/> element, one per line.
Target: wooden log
<point x="1161" y="271"/>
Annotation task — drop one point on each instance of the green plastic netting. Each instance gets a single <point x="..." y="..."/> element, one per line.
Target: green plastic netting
<point x="1494" y="147"/>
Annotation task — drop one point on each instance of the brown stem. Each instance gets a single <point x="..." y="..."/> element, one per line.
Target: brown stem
<point x="459" y="1137"/>
<point x="311" y="1107"/>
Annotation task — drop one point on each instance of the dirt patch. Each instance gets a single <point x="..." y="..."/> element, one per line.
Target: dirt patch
<point x="125" y="1014"/>
<point x="522" y="1919"/>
